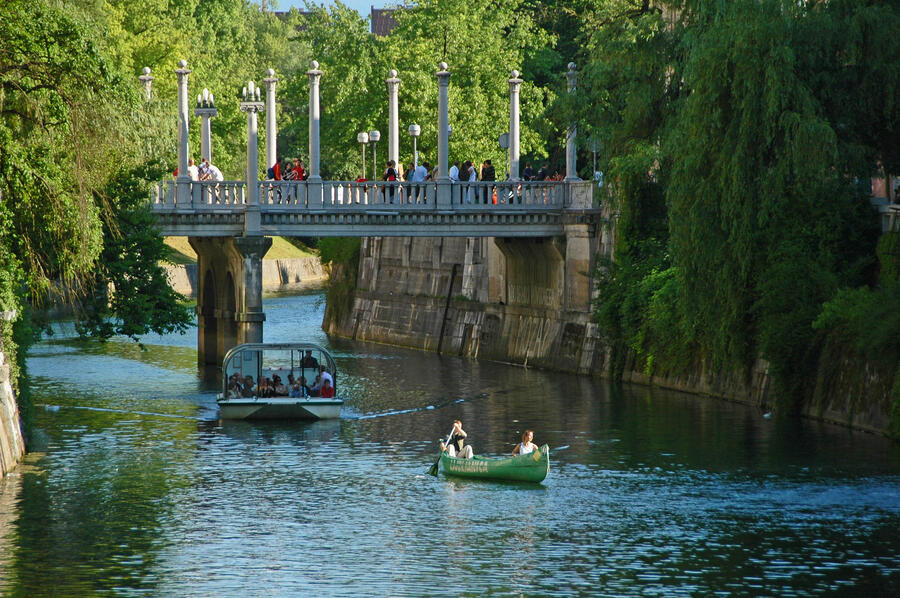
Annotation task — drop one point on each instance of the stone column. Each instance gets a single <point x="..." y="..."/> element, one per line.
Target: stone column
<point x="444" y="189"/>
<point x="314" y="75"/>
<point x="206" y="109"/>
<point x="252" y="106"/>
<point x="183" y="191"/>
<point x="443" y="77"/>
<point x="514" y="85"/>
<point x="271" y="128"/>
<point x="147" y="83"/>
<point x="571" y="172"/>
<point x="250" y="316"/>
<point x="393" y="85"/>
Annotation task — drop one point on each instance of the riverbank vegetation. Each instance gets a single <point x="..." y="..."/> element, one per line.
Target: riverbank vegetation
<point x="739" y="141"/>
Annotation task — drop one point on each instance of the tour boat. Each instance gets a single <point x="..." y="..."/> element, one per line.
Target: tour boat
<point x="266" y="360"/>
<point x="531" y="467"/>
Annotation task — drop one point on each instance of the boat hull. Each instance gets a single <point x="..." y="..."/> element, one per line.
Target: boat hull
<point x="280" y="408"/>
<point x="532" y="467"/>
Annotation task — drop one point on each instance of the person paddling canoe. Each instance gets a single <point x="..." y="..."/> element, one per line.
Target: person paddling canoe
<point x="457" y="447"/>
<point x="526" y="446"/>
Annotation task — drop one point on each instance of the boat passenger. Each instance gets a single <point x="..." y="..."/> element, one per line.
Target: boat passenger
<point x="280" y="390"/>
<point x="309" y="361"/>
<point x="249" y="389"/>
<point x="323" y="373"/>
<point x="299" y="388"/>
<point x="316" y="388"/>
<point x="526" y="446"/>
<point x="457" y="445"/>
<point x="327" y="389"/>
<point x="265" y="388"/>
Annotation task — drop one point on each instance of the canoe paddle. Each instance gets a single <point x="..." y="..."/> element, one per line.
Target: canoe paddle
<point x="434" y="468"/>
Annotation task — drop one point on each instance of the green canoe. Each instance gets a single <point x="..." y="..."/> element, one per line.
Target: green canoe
<point x="532" y="467"/>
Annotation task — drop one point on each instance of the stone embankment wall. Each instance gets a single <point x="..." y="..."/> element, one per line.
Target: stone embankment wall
<point x="515" y="300"/>
<point x="283" y="274"/>
<point x="12" y="444"/>
<point x="508" y="300"/>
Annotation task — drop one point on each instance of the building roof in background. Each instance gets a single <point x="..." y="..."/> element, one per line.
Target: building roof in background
<point x="383" y="20"/>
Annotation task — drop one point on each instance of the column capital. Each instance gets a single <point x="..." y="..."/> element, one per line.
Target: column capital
<point x="314" y="72"/>
<point x="253" y="107"/>
<point x="182" y="70"/>
<point x="146" y="80"/>
<point x="514" y="81"/>
<point x="393" y="80"/>
<point x="270" y="79"/>
<point x="443" y="75"/>
<point x="252" y="247"/>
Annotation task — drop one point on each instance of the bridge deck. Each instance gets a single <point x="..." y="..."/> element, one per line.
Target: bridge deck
<point x="340" y="208"/>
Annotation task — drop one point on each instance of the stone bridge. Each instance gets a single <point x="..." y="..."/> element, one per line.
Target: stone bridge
<point x="548" y="226"/>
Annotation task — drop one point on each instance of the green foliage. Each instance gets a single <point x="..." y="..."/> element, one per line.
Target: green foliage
<point x="141" y="299"/>
<point x="338" y="250"/>
<point x="480" y="43"/>
<point x="889" y="258"/>
<point x="747" y="116"/>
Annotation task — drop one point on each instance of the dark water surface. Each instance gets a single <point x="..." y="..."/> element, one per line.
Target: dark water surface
<point x="133" y="488"/>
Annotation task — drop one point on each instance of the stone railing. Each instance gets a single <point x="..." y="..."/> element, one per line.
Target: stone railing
<point x="528" y="196"/>
<point x="203" y="194"/>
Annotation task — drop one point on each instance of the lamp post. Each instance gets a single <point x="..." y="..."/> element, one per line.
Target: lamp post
<point x="363" y="139"/>
<point x="571" y="173"/>
<point x="206" y="109"/>
<point x="374" y="136"/>
<point x="414" y="131"/>
<point x="503" y="140"/>
<point x="252" y="104"/>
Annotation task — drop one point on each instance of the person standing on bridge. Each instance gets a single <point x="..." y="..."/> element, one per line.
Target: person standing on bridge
<point x="488" y="174"/>
<point x="193" y="171"/>
<point x="468" y="175"/>
<point x="389" y="176"/>
<point x="454" y="172"/>
<point x="528" y="173"/>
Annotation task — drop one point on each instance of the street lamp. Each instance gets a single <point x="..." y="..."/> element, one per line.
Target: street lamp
<point x="503" y="140"/>
<point x="374" y="136"/>
<point x="414" y="131"/>
<point x="363" y="139"/>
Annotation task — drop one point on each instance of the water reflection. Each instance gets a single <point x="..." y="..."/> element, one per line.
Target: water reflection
<point x="140" y="490"/>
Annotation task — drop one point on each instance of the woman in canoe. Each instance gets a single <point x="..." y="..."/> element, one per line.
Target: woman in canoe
<point x="457" y="446"/>
<point x="526" y="446"/>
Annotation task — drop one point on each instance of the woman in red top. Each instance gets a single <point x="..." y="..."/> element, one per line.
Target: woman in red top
<point x="327" y="389"/>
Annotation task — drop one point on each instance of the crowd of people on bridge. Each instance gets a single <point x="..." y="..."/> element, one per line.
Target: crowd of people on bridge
<point x="205" y="171"/>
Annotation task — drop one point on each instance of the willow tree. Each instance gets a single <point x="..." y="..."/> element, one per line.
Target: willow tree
<point x="741" y="116"/>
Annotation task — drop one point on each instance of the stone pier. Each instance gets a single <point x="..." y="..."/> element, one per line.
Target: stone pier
<point x="229" y="294"/>
<point x="520" y="300"/>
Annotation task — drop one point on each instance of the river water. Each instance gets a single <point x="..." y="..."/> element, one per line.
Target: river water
<point x="134" y="488"/>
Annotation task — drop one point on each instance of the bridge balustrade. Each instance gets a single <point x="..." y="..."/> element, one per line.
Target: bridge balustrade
<point x="528" y="195"/>
<point x="204" y="194"/>
<point x="351" y="195"/>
